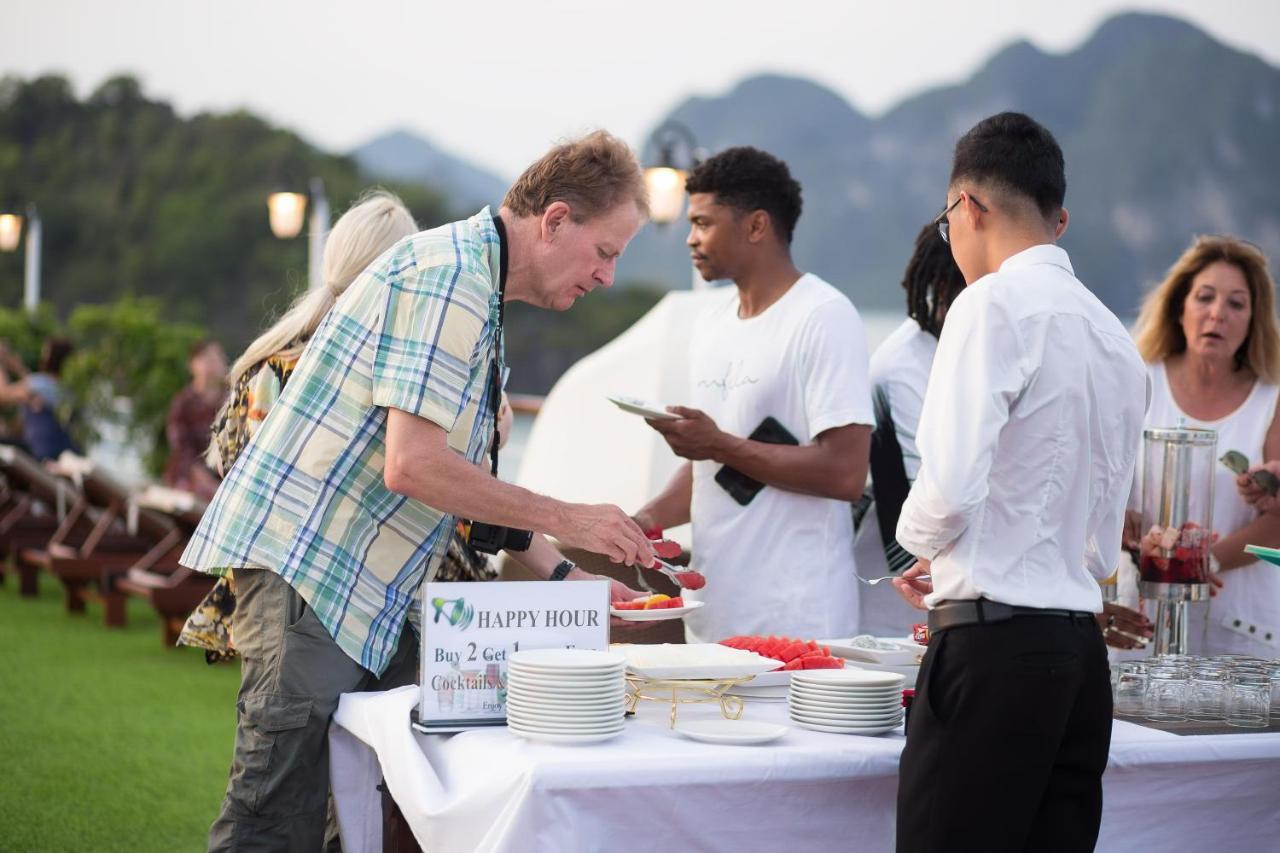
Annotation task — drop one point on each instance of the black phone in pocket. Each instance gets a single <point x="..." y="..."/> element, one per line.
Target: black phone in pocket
<point x="740" y="487"/>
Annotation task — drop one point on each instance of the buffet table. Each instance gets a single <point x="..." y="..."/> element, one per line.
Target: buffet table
<point x="490" y="790"/>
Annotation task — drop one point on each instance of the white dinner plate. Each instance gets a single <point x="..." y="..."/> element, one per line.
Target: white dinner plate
<point x="598" y="724"/>
<point x="571" y="710"/>
<point x="848" y="677"/>
<point x="737" y="732"/>
<point x="837" y="719"/>
<point x="571" y="702"/>
<point x="561" y="701"/>
<point x="549" y="737"/>
<point x="842" y="690"/>
<point x="538" y="682"/>
<point x="847" y="730"/>
<point x="845" y="698"/>
<point x="843" y="707"/>
<point x="565" y="727"/>
<point x="826" y="696"/>
<point x="644" y="408"/>
<point x="575" y="659"/>
<point x="657" y="614"/>
<point x="568" y="692"/>
<point x="565" y="672"/>
<point x="532" y="676"/>
<point x="565" y="675"/>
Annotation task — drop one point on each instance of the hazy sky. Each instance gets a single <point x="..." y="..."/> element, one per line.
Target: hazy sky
<point x="498" y="81"/>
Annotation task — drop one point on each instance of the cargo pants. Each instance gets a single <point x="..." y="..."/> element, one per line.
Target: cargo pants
<point x="291" y="675"/>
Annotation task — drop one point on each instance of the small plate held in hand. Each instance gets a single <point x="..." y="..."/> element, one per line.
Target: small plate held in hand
<point x="644" y="408"/>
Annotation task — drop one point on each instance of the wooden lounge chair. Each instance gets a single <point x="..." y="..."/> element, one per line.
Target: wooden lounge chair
<point x="33" y="505"/>
<point x="173" y="590"/>
<point x="117" y="539"/>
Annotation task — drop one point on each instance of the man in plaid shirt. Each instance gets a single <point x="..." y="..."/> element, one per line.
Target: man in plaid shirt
<point x="344" y="501"/>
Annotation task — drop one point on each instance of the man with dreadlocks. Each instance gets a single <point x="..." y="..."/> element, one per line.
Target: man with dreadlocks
<point x="899" y="373"/>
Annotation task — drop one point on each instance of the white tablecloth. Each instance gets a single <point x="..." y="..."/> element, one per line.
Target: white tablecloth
<point x="490" y="790"/>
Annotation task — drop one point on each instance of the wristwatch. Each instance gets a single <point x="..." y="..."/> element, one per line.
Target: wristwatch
<point x="561" y="571"/>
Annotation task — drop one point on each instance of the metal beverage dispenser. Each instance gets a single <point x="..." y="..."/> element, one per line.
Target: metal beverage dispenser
<point x="1177" y="527"/>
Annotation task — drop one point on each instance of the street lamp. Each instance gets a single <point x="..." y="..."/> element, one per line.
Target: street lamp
<point x="286" y="211"/>
<point x="677" y="155"/>
<point x="10" y="235"/>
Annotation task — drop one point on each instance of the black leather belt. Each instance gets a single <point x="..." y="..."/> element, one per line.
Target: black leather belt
<point x="982" y="611"/>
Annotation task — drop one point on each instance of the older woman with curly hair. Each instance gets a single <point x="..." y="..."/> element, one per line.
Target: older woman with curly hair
<point x="1209" y="335"/>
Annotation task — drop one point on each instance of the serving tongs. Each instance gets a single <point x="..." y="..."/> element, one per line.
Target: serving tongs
<point x="683" y="578"/>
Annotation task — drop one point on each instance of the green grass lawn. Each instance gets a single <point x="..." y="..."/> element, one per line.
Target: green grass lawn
<point x="108" y="740"/>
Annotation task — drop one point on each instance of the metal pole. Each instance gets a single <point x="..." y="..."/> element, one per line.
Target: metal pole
<point x="31" y="289"/>
<point x="319" y="231"/>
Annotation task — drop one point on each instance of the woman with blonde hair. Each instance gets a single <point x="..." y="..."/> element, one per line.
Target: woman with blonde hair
<point x="375" y="223"/>
<point x="1210" y="337"/>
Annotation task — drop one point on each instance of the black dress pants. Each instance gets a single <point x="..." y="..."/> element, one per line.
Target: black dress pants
<point x="1008" y="739"/>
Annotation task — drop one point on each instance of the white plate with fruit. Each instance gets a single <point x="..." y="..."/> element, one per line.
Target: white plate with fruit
<point x="653" y="608"/>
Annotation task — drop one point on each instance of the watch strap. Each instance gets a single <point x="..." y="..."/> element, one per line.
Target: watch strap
<point x="562" y="569"/>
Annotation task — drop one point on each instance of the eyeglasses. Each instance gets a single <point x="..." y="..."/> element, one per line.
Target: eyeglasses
<point x="944" y="226"/>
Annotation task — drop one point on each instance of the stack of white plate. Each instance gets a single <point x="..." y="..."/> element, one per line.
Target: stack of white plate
<point x="566" y="695"/>
<point x="846" y="701"/>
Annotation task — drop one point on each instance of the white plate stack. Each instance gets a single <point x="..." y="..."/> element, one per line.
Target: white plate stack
<point x="846" y="701"/>
<point x="566" y="695"/>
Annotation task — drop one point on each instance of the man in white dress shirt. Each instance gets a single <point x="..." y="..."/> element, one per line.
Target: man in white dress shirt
<point x="1028" y="438"/>
<point x="780" y="347"/>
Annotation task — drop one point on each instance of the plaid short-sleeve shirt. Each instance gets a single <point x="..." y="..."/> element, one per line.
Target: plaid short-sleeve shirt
<point x="306" y="497"/>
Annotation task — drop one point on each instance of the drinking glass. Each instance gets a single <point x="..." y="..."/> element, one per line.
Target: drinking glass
<point x="1249" y="700"/>
<point x="1166" y="697"/>
<point x="1207" y="693"/>
<point x="1274" y="671"/>
<point x="1131" y="688"/>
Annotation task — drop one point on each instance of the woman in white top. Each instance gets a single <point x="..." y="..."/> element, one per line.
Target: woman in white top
<point x="1209" y="335"/>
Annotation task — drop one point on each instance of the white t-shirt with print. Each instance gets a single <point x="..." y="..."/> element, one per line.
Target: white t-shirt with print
<point x="784" y="563"/>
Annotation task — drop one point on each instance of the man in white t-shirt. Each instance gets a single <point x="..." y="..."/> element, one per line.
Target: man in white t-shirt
<point x="782" y="352"/>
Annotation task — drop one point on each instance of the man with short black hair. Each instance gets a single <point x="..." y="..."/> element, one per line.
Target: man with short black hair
<point x="1028" y="438"/>
<point x="780" y="355"/>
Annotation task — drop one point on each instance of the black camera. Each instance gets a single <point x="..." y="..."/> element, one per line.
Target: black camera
<point x="492" y="538"/>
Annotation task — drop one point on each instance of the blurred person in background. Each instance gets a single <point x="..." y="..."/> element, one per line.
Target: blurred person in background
<point x="1211" y="341"/>
<point x="190" y="413"/>
<point x="375" y="223"/>
<point x="40" y="398"/>
<point x="899" y="375"/>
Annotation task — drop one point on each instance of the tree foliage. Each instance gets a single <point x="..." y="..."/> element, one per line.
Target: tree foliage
<point x="138" y="200"/>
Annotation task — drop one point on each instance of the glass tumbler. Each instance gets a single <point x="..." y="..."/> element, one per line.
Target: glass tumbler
<point x="1166" y="697"/>
<point x="1274" y="670"/>
<point x="1207" y="693"/>
<point x="1249" y="699"/>
<point x="1131" y="688"/>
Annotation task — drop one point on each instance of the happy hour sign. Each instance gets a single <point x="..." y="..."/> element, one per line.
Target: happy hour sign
<point x="469" y="629"/>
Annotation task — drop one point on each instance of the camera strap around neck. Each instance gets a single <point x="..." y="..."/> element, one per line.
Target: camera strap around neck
<point x="495" y="372"/>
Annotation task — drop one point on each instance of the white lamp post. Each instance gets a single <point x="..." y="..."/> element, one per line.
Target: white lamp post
<point x="286" y="211"/>
<point x="10" y="235"/>
<point x="677" y="154"/>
